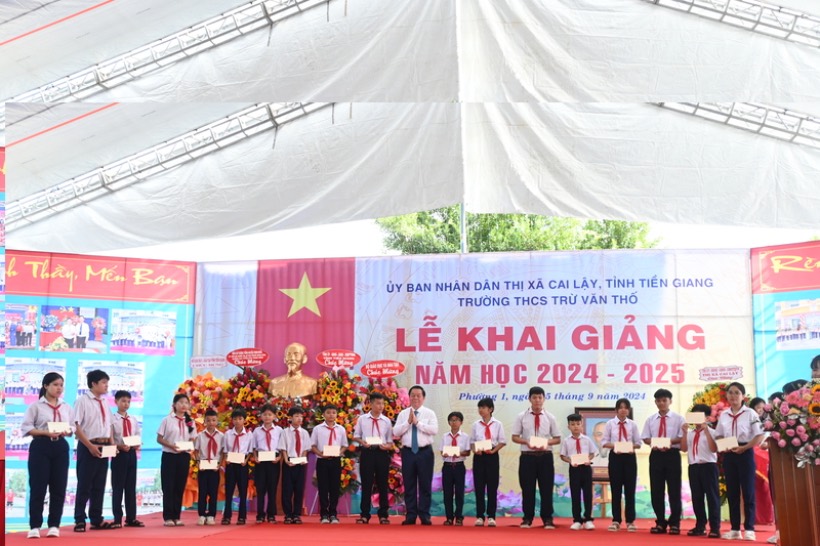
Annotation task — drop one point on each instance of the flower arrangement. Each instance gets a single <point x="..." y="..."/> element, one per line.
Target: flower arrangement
<point x="395" y="483"/>
<point x="349" y="481"/>
<point x="396" y="398"/>
<point x="282" y="406"/>
<point x="204" y="392"/>
<point x="795" y="423"/>
<point x="248" y="389"/>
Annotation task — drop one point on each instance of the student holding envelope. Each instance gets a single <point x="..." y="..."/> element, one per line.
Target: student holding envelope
<point x="208" y="446"/>
<point x="175" y="434"/>
<point x="740" y="427"/>
<point x="662" y="431"/>
<point x="487" y="438"/>
<point x="374" y="433"/>
<point x="266" y="473"/>
<point x="701" y="450"/>
<point x="237" y="446"/>
<point x="124" y="465"/>
<point x="621" y="436"/>
<point x="328" y="440"/>
<point x="48" y="422"/>
<point x="578" y="450"/>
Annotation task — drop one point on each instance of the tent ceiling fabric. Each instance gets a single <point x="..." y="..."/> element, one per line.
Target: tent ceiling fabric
<point x="50" y="42"/>
<point x="67" y="140"/>
<point x="437" y="103"/>
<point x="406" y="50"/>
<point x="353" y="161"/>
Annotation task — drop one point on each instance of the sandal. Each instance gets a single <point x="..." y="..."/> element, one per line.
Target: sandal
<point x="226" y="521"/>
<point x="116" y="525"/>
<point x="79" y="527"/>
<point x="104" y="526"/>
<point x="673" y="530"/>
<point x="362" y="520"/>
<point x="658" y="530"/>
<point x="384" y="521"/>
<point x="134" y="523"/>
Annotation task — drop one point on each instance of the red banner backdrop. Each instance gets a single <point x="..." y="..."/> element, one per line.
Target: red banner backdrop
<point x="311" y="302"/>
<point x="786" y="268"/>
<point x="95" y="277"/>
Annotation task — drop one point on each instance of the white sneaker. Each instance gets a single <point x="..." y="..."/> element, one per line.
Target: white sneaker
<point x="490" y="522"/>
<point x="589" y="526"/>
<point x="479" y="522"/>
<point x="324" y="520"/>
<point x="575" y="526"/>
<point x="749" y="535"/>
<point x="774" y="538"/>
<point x="201" y="520"/>
<point x="34" y="533"/>
<point x="178" y="523"/>
<point x="53" y="532"/>
<point x="210" y="520"/>
<point x="631" y="528"/>
<point x="525" y="524"/>
<point x="731" y="535"/>
<point x="169" y="523"/>
<point x="614" y="526"/>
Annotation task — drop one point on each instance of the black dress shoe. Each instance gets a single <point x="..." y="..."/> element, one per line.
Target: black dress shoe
<point x="409" y="522"/>
<point x="426" y="522"/>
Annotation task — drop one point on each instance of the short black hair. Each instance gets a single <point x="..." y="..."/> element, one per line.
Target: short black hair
<point x="623" y="401"/>
<point x="267" y="407"/>
<point x="706" y="409"/>
<point x="330" y="407"/>
<point x="295" y="410"/>
<point x="574" y="418"/>
<point x="95" y="376"/>
<point x="663" y="393"/>
<point x="375" y="396"/>
<point x="456" y="414"/>
<point x="211" y="411"/>
<point x="755" y="401"/>
<point x="534" y="391"/>
<point x="486" y="403"/>
<point x="419" y="387"/>
<point x="239" y="412"/>
<point x="122" y="394"/>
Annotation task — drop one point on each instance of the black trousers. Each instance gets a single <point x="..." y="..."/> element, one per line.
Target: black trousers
<point x="47" y="470"/>
<point x="124" y="481"/>
<point x="266" y="478"/>
<point x="623" y="476"/>
<point x="740" y="479"/>
<point x="374" y="467"/>
<point x="665" y="473"/>
<point x="293" y="490"/>
<point x="236" y="476"/>
<point x="453" y="476"/>
<point x="417" y="471"/>
<point x="536" y="469"/>
<point x="92" y="473"/>
<point x="208" y="481"/>
<point x="580" y="484"/>
<point x="173" y="473"/>
<point x="703" y="481"/>
<point x="485" y="477"/>
<point x="328" y="479"/>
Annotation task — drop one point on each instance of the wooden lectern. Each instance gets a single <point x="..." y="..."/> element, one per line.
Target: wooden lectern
<point x="797" y="499"/>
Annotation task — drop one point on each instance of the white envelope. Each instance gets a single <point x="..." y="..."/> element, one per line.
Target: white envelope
<point x="109" y="452"/>
<point x="331" y="451"/>
<point x="205" y="464"/>
<point x="624" y="447"/>
<point x="451" y="451"/>
<point x="263" y="456"/>
<point x="373" y="441"/>
<point x="185" y="446"/>
<point x="726" y="444"/>
<point x="58" y="426"/>
<point x="483" y="445"/>
<point x="579" y="458"/>
<point x="236" y="457"/>
<point x="695" y="417"/>
<point x="661" y="443"/>
<point x="298" y="460"/>
<point x="132" y="441"/>
<point x="537" y="441"/>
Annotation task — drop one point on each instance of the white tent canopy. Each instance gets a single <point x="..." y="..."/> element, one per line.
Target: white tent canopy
<point x="434" y="103"/>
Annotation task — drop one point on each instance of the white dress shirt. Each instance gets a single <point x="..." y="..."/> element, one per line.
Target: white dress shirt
<point x="427" y="426"/>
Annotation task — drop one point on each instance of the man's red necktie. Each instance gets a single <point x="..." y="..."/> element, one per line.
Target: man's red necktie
<point x="578" y="445"/>
<point x="662" y="427"/>
<point x="126" y="426"/>
<point x="102" y="410"/>
<point x="332" y="437"/>
<point x="298" y="442"/>
<point x="537" y="422"/>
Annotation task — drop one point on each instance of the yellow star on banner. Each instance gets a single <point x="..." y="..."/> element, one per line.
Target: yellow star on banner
<point x="304" y="297"/>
